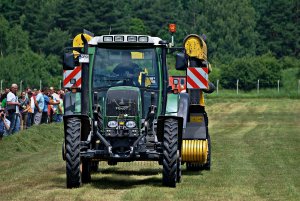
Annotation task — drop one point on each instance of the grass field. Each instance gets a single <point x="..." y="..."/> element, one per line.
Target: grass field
<point x="255" y="156"/>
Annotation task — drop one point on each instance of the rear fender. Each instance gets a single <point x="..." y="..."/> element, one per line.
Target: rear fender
<point x="183" y="108"/>
<point x="172" y="104"/>
<point x="178" y="105"/>
<point x="72" y="103"/>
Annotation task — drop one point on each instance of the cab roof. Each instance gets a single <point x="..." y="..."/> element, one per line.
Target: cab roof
<point x="125" y="39"/>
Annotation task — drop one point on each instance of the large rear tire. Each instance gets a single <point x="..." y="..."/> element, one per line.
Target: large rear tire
<point x="73" y="127"/>
<point x="170" y="157"/>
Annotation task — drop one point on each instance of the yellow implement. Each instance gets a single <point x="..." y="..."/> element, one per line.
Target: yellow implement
<point x="195" y="47"/>
<point x="194" y="151"/>
<point x="77" y="42"/>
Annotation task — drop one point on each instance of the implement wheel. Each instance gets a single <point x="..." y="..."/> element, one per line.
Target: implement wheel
<point x="171" y="171"/>
<point x="73" y="160"/>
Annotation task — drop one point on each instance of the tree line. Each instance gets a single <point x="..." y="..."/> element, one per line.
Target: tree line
<point x="34" y="33"/>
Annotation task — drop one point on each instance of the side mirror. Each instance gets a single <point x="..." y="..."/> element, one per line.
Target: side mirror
<point x="181" y="61"/>
<point x="68" y="61"/>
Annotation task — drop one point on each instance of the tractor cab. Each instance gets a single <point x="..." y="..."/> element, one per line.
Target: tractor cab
<point x="129" y="74"/>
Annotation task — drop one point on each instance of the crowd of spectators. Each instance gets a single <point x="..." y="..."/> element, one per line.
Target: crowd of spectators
<point x="31" y="107"/>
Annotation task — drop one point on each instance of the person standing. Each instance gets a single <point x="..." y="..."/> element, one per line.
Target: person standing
<point x="55" y="102"/>
<point x="60" y="109"/>
<point x="13" y="109"/>
<point x="4" y="123"/>
<point x="24" y="107"/>
<point x="33" y="105"/>
<point x="3" y="98"/>
<point x="30" y="109"/>
<point x="39" y="107"/>
<point x="45" y="109"/>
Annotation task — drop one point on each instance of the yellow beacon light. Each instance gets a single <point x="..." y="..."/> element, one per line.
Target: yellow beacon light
<point x="195" y="47"/>
<point x="77" y="42"/>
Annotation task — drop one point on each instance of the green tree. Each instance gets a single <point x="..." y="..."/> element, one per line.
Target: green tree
<point x="17" y="40"/>
<point x="157" y="15"/>
<point x="4" y="28"/>
<point x="31" y="68"/>
<point x="12" y="10"/>
<point x="278" y="26"/>
<point x="40" y="20"/>
<point x="248" y="70"/>
<point x="137" y="26"/>
<point x="55" y="42"/>
<point x="229" y="27"/>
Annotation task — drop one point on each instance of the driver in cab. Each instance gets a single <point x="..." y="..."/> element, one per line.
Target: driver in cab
<point x="127" y="68"/>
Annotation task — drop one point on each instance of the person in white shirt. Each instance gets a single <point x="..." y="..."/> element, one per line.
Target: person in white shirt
<point x="31" y="109"/>
<point x="56" y="100"/>
<point x="13" y="109"/>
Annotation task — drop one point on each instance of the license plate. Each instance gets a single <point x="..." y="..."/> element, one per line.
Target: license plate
<point x="84" y="58"/>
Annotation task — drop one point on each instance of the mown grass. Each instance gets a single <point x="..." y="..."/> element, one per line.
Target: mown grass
<point x="262" y="93"/>
<point x="255" y="146"/>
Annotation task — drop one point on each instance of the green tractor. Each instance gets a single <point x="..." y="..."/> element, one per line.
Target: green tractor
<point x="125" y="110"/>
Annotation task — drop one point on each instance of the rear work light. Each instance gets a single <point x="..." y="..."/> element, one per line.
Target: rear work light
<point x="143" y="39"/>
<point x="107" y="39"/>
<point x="132" y="38"/>
<point x="119" y="38"/>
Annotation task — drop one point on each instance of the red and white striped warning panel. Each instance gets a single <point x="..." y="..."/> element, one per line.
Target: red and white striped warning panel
<point x="72" y="78"/>
<point x="197" y="78"/>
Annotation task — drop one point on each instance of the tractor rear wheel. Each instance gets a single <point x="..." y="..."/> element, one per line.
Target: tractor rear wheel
<point x="73" y="161"/>
<point x="170" y="157"/>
